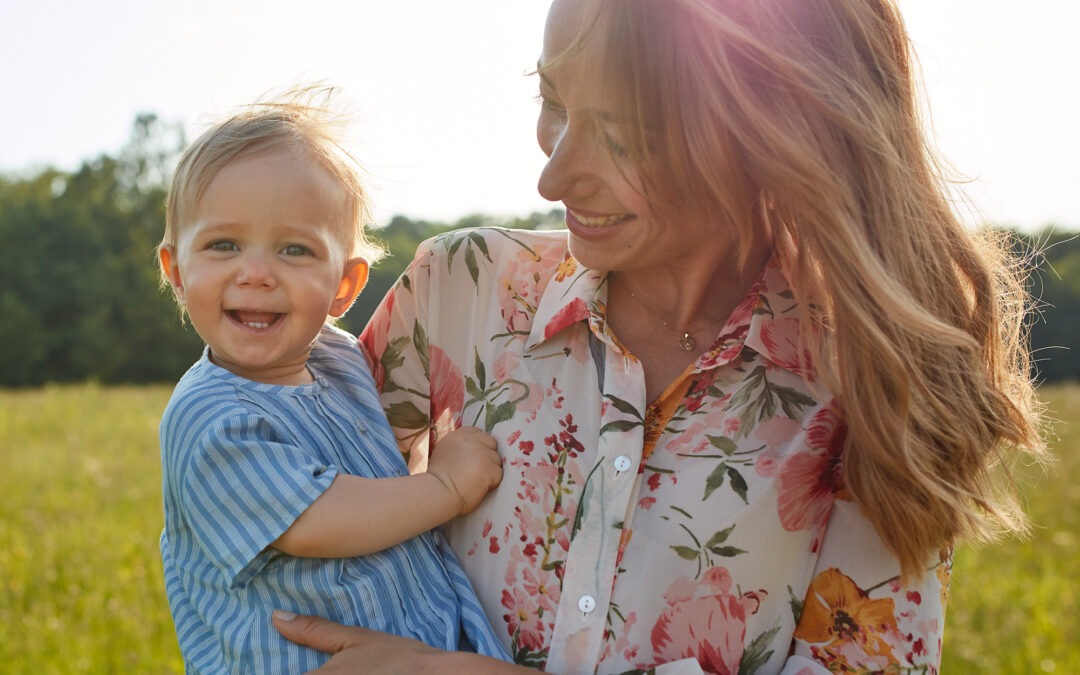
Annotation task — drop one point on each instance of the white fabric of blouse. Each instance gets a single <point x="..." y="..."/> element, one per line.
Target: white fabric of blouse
<point x="709" y="531"/>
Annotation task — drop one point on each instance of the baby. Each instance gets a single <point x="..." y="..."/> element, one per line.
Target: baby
<point x="283" y="484"/>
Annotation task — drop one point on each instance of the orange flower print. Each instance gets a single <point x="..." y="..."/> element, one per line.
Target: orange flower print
<point x="848" y="630"/>
<point x="566" y="268"/>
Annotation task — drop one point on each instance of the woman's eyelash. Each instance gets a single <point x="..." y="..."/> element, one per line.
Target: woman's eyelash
<point x="547" y="103"/>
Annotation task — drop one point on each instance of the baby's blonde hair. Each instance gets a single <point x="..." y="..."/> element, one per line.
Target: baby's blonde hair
<point x="302" y="118"/>
<point x="801" y="118"/>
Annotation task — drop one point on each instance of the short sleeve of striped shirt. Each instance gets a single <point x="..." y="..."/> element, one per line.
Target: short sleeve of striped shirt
<point x="244" y="485"/>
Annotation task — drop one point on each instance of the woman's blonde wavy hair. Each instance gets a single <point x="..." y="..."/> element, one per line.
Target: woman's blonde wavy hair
<point x="802" y="117"/>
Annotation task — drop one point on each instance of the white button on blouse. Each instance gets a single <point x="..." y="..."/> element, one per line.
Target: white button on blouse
<point x="586" y="603"/>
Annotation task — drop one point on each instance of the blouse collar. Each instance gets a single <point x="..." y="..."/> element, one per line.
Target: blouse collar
<point x="766" y="320"/>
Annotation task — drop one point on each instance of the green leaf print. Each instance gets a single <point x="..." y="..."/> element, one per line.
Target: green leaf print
<point x="420" y="344"/>
<point x="796" y="605"/>
<point x="474" y="269"/>
<point x="406" y="415"/>
<point x="715" y="480"/>
<point x="619" y="425"/>
<point x="703" y="554"/>
<point x="685" y="552"/>
<point x="496" y="414"/>
<point x="722" y="443"/>
<point x="755" y="655"/>
<point x="757" y="399"/>
<point x="738" y="483"/>
<point x="625" y="407"/>
<point x="391" y="359"/>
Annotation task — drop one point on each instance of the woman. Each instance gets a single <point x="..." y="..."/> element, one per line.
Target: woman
<point x="751" y="399"/>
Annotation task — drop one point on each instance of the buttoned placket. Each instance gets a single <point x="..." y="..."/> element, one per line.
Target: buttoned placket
<point x="608" y="502"/>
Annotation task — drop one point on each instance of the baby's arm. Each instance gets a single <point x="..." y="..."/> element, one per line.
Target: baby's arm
<point x="357" y="516"/>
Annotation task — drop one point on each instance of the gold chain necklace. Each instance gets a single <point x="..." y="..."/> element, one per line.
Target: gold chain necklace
<point x="687" y="342"/>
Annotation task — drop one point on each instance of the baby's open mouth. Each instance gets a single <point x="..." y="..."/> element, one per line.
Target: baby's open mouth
<point x="254" y="319"/>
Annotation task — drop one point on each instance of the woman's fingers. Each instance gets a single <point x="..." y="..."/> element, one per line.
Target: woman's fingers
<point x="318" y="633"/>
<point x="355" y="649"/>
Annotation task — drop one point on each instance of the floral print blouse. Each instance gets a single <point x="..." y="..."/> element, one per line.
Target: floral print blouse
<point x="706" y="531"/>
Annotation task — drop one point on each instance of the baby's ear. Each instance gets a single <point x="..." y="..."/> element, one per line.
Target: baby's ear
<point x="170" y="268"/>
<point x="353" y="278"/>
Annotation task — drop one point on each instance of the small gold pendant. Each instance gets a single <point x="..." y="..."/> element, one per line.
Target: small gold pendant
<point x="687" y="342"/>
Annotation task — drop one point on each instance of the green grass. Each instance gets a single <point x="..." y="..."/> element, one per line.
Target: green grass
<point x="80" y="577"/>
<point x="80" y="513"/>
<point x="1015" y="607"/>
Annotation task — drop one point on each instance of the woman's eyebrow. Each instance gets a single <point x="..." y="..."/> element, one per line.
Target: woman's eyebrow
<point x="544" y="78"/>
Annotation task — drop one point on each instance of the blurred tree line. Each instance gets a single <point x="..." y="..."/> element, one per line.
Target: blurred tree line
<point x="80" y="298"/>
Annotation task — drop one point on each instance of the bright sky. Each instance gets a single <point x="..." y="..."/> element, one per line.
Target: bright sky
<point x="444" y="111"/>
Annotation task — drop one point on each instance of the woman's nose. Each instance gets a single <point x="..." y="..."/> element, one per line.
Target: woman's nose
<point x="571" y="168"/>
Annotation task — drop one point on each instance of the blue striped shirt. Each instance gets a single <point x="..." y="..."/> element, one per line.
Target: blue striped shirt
<point x="240" y="462"/>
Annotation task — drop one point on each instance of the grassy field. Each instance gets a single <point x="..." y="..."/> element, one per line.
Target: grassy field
<point x="80" y="578"/>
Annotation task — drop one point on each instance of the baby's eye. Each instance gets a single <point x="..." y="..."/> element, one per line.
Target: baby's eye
<point x="223" y="245"/>
<point x="296" y="249"/>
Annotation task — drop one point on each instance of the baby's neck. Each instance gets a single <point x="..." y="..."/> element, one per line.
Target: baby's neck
<point x="286" y="375"/>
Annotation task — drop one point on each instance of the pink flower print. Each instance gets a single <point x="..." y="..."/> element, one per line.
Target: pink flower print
<point x="731" y="426"/>
<point x="373" y="339"/>
<point x="534" y="479"/>
<point x="695" y="396"/>
<point x="827" y="430"/>
<point x="690" y="440"/>
<point x="653" y="482"/>
<point x="767" y="463"/>
<point x="568" y="315"/>
<point x="646" y="503"/>
<point x="809" y="481"/>
<point x="705" y="622"/>
<point x="518" y="290"/>
<point x="545" y="593"/>
<point x="622" y="643"/>
<point x="505" y="365"/>
<point x="780" y="338"/>
<point x="777" y="431"/>
<point x="528" y="407"/>
<point x="681" y="590"/>
<point x="740" y="316"/>
<point x="447" y="392"/>
<point x="718" y="579"/>
<point x="805" y="490"/>
<point x="522" y="620"/>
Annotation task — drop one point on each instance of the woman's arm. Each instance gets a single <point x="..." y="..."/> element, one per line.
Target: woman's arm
<point x="357" y="516"/>
<point x="360" y="650"/>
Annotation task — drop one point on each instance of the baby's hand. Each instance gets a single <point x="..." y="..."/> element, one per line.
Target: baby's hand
<point x="468" y="464"/>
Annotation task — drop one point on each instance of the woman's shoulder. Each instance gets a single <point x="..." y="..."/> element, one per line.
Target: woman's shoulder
<point x="496" y="244"/>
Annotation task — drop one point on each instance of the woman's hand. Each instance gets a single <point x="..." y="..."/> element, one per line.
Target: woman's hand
<point x="360" y="650"/>
<point x="354" y="649"/>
